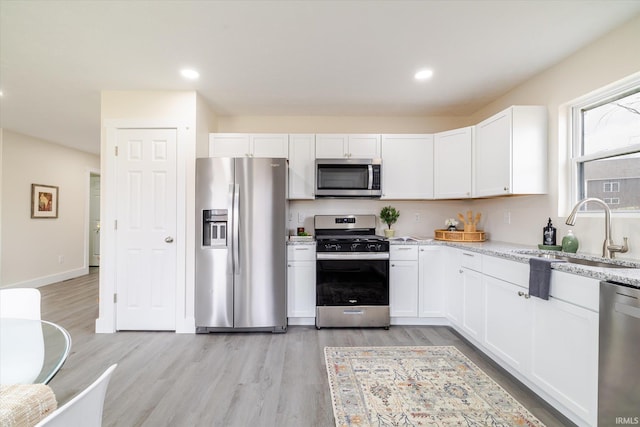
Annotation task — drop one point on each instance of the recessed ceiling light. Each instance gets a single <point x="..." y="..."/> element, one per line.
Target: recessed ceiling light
<point x="190" y="74"/>
<point x="423" y="74"/>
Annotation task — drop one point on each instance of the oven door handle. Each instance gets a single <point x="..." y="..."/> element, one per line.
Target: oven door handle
<point x="353" y="255"/>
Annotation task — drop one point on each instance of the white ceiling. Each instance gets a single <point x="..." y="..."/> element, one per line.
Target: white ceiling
<point x="296" y="57"/>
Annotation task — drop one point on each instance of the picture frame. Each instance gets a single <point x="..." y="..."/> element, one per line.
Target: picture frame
<point x="44" y="201"/>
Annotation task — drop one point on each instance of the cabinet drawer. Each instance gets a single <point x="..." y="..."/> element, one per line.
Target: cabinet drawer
<point x="400" y="252"/>
<point x="470" y="260"/>
<point x="574" y="289"/>
<point x="301" y="252"/>
<point x="504" y="269"/>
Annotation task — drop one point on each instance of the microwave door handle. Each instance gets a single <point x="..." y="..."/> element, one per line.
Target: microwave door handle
<point x="370" y="186"/>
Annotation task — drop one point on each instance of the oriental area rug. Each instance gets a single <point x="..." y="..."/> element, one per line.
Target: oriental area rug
<point x="417" y="386"/>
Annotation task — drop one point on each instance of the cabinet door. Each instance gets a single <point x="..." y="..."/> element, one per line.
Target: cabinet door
<point x="302" y="168"/>
<point x="403" y="288"/>
<point x="229" y="145"/>
<point x="431" y="282"/>
<point x="452" y="164"/>
<point x="492" y="174"/>
<point x="453" y="286"/>
<point x="472" y="303"/>
<point x="331" y="146"/>
<point x="407" y="166"/>
<point x="269" y="145"/>
<point x="508" y="322"/>
<point x="565" y="354"/>
<point x="364" y="146"/>
<point x="301" y="289"/>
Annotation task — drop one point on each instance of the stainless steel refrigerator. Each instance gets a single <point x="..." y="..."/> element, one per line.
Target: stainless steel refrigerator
<point x="240" y="245"/>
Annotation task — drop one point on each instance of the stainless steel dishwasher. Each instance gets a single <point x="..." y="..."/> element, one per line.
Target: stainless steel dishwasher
<point x="619" y="367"/>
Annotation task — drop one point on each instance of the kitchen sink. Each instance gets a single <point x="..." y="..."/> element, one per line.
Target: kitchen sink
<point x="603" y="263"/>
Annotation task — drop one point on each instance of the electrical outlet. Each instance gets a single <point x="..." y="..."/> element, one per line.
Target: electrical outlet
<point x="300" y="218"/>
<point x="290" y="216"/>
<point x="60" y="259"/>
<point x="507" y="217"/>
<point x="418" y="218"/>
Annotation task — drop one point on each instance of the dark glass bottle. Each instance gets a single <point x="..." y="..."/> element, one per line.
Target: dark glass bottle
<point x="549" y="234"/>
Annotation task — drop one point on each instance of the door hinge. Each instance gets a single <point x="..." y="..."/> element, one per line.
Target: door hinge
<point x="115" y="224"/>
<point x="115" y="298"/>
<point x="116" y="150"/>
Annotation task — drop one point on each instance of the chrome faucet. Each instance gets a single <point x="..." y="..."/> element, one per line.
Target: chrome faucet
<point x="608" y="248"/>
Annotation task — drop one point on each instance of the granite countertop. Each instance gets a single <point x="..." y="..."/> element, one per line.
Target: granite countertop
<point x="522" y="253"/>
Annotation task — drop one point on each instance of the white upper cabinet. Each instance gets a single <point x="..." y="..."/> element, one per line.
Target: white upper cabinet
<point x="350" y="146"/>
<point x="407" y="166"/>
<point x="228" y="145"/>
<point x="269" y="145"/>
<point x="302" y="154"/>
<point x="249" y="145"/>
<point x="510" y="153"/>
<point x="452" y="164"/>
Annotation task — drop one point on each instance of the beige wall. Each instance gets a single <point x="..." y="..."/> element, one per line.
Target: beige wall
<point x="31" y="248"/>
<point x="338" y="124"/>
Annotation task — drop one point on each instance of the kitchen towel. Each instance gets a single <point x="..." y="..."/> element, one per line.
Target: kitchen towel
<point x="540" y="276"/>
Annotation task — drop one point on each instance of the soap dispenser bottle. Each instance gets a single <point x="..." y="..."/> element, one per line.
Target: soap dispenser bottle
<point x="549" y="234"/>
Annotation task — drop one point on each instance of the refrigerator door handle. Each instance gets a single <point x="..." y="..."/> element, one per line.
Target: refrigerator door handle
<point x="235" y="237"/>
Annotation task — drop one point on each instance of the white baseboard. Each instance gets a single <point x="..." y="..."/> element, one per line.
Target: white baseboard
<point x="47" y="280"/>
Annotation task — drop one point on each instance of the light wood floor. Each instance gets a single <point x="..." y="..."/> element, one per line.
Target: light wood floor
<point x="242" y="379"/>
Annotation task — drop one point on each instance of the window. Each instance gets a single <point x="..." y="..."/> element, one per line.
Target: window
<point x="611" y="187"/>
<point x="606" y="148"/>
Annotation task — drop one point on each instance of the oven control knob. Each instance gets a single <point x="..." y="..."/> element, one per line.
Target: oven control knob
<point x="373" y="247"/>
<point x="354" y="246"/>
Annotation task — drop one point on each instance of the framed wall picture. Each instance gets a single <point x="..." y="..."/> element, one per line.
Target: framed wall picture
<point x="44" y="201"/>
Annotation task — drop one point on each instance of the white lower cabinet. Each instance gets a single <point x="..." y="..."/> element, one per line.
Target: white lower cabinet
<point x="507" y="322"/>
<point x="403" y="288"/>
<point x="453" y="286"/>
<point x="564" y="355"/>
<point x="472" y="303"/>
<point x="430" y="281"/>
<point x="403" y="281"/>
<point x="301" y="282"/>
<point x="552" y="343"/>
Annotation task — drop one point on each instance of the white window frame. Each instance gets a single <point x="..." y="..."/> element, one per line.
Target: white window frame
<point x="574" y="143"/>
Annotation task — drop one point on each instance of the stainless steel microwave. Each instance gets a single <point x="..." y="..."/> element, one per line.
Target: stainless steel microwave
<point x="348" y="178"/>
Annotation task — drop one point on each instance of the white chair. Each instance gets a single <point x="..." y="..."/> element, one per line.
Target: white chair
<point x="83" y="410"/>
<point x="21" y="303"/>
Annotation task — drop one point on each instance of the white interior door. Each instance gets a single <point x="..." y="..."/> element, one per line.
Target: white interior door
<point x="146" y="228"/>
<point x="94" y="220"/>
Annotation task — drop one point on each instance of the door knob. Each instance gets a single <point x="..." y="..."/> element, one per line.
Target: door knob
<point x="168" y="239"/>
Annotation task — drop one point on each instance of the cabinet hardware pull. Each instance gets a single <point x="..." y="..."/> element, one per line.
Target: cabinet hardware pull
<point x="522" y="294"/>
<point x="466" y="254"/>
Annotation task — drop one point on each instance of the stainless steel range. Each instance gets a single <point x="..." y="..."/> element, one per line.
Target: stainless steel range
<point x="352" y="272"/>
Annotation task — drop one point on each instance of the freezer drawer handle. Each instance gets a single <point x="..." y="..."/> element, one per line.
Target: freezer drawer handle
<point x="351" y="311"/>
